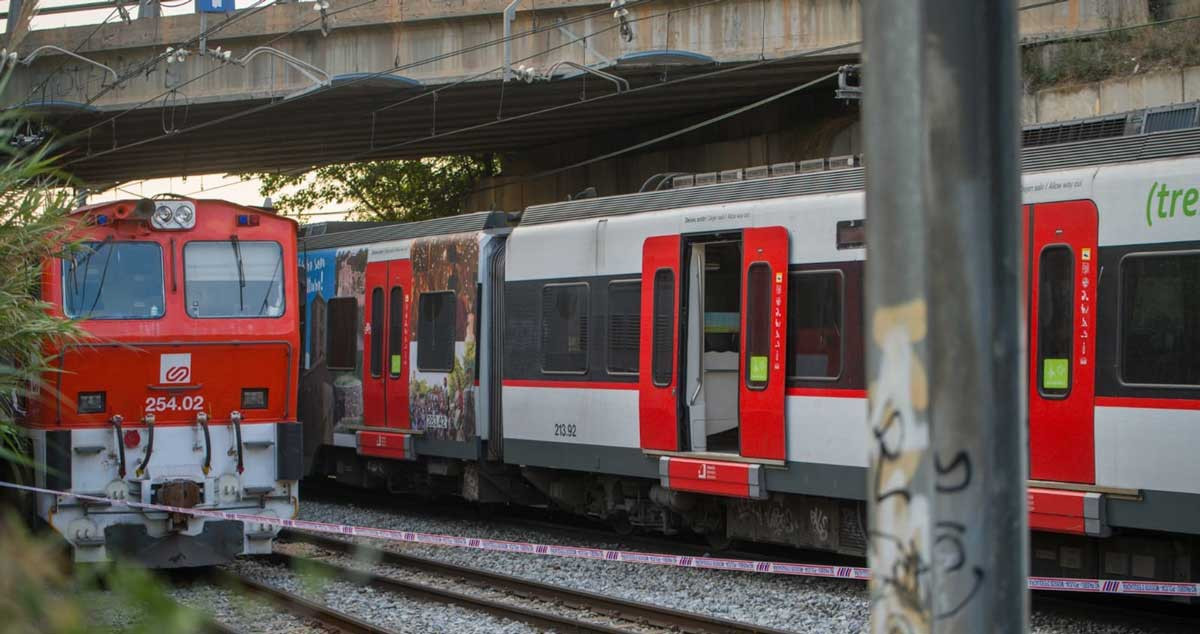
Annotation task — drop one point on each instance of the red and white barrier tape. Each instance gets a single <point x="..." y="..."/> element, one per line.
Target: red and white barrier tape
<point x="1060" y="584"/>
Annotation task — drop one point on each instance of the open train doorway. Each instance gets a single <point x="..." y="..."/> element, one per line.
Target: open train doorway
<point x="713" y="349"/>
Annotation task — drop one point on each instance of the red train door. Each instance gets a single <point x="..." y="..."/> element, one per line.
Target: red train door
<point x="385" y="342"/>
<point x="374" y="346"/>
<point x="763" y="342"/>
<point x="658" y="398"/>
<point x="399" y="296"/>
<point x="1063" y="269"/>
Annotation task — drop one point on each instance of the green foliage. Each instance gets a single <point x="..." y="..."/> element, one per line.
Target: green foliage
<point x="39" y="591"/>
<point x="406" y="190"/>
<point x="1116" y="54"/>
<point x="33" y="226"/>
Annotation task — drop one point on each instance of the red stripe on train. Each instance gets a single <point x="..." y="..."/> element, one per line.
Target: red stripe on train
<point x="1147" y="403"/>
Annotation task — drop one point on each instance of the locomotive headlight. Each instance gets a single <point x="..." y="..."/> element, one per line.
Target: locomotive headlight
<point x="184" y="215"/>
<point x="163" y="215"/>
<point x="254" y="398"/>
<point x="90" y="402"/>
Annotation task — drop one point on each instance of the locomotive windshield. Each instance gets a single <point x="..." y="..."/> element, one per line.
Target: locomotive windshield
<point x="114" y="280"/>
<point x="233" y="278"/>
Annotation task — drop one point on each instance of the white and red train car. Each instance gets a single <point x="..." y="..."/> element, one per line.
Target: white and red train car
<point x="693" y="358"/>
<point x="182" y="392"/>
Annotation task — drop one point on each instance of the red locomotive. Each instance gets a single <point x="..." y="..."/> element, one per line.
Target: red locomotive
<point x="184" y="391"/>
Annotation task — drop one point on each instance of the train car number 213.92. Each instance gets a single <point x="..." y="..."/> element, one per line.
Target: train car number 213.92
<point x="174" y="403"/>
<point x="564" y="429"/>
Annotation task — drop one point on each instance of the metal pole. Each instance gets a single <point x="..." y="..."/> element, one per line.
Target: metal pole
<point x="149" y="9"/>
<point x="946" y="347"/>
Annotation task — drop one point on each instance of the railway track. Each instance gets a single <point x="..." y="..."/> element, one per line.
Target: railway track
<point x="298" y="606"/>
<point x="617" y="614"/>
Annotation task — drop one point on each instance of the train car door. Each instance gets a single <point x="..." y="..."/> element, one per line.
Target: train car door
<point x="1063" y="271"/>
<point x="385" y="344"/>
<point x="658" y="380"/>
<point x="763" y="342"/>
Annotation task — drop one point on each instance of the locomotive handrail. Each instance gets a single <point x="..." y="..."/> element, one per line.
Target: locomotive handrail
<point x="202" y="418"/>
<point x="115" y="421"/>
<point x="235" y="418"/>
<point x="149" y="420"/>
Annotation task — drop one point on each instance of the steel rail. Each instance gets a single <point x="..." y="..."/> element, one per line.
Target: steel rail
<point x="298" y="605"/>
<point x="614" y="607"/>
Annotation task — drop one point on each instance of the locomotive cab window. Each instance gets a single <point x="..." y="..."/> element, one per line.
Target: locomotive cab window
<point x="565" y="328"/>
<point x="1055" y="320"/>
<point x="436" y="314"/>
<point x="1160" y="319"/>
<point x="342" y="330"/>
<point x="815" y="345"/>
<point x="233" y="278"/>
<point x="624" y="326"/>
<point x="114" y="280"/>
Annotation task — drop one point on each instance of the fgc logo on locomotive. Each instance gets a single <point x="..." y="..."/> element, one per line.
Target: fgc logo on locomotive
<point x="175" y="368"/>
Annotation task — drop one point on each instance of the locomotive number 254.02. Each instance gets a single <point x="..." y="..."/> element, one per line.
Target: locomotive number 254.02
<point x="174" y="403"/>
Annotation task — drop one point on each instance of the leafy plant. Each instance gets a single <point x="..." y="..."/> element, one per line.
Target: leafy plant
<point x="404" y="190"/>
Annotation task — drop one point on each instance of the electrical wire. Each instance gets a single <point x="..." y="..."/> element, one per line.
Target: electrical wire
<point x="433" y="59"/>
<point x="321" y="90"/>
<point x="64" y="63"/>
<point x="573" y="104"/>
<point x="551" y="49"/>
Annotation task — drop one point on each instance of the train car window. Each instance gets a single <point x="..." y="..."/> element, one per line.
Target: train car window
<point x="758" y="325"/>
<point x="114" y="280"/>
<point x="1055" y="321"/>
<point x="436" y="314"/>
<point x="662" y="358"/>
<point x="377" y="332"/>
<point x="624" y="326"/>
<point x="233" y="278"/>
<point x="565" y="328"/>
<point x="1160" y="319"/>
<point x="395" y="331"/>
<point x="814" y="340"/>
<point x="342" y="313"/>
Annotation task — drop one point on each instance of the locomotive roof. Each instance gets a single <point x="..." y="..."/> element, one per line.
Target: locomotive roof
<point x="380" y="232"/>
<point x="1157" y="145"/>
<point x="133" y="201"/>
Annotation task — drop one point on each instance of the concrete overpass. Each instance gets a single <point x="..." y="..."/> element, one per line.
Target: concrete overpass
<point x="376" y="79"/>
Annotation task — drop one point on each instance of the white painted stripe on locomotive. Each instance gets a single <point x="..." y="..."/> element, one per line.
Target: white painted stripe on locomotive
<point x="1142" y="448"/>
<point x="596" y="416"/>
<point x="613" y="246"/>
<point x="390" y="250"/>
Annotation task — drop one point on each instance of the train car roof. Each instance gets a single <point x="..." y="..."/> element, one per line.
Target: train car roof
<point x="1140" y="147"/>
<point x="381" y="232"/>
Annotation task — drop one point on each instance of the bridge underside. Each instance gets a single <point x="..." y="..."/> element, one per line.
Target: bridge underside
<point x="345" y="121"/>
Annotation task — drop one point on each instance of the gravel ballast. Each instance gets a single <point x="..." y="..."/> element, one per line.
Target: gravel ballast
<point x="794" y="603"/>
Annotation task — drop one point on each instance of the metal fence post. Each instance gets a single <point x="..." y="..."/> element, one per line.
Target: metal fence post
<point x="946" y="344"/>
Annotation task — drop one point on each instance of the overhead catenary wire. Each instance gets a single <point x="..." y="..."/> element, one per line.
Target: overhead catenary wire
<point x="656" y="140"/>
<point x="433" y="59"/>
<point x="321" y="90"/>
